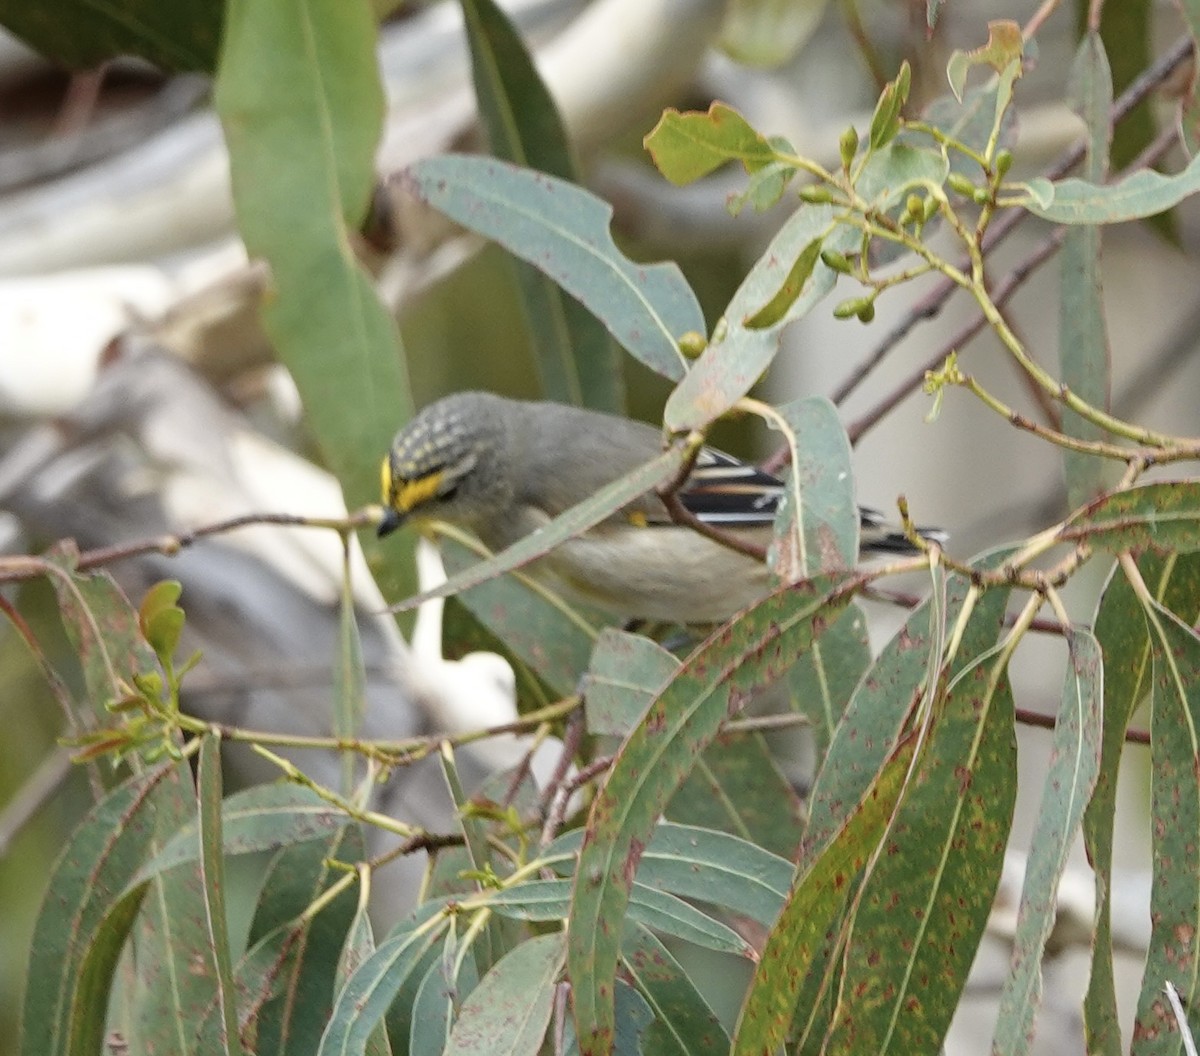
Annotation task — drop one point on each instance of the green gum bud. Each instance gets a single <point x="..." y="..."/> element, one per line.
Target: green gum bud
<point x="849" y="146"/>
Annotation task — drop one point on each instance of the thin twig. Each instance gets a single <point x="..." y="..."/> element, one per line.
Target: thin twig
<point x="684" y="517"/>
<point x="911" y="601"/>
<point x="1047" y="722"/>
<point x="12" y="571"/>
<point x="558" y="809"/>
<point x="932" y="303"/>
<point x="554" y="800"/>
<point x="1001" y="293"/>
<point x="392" y="753"/>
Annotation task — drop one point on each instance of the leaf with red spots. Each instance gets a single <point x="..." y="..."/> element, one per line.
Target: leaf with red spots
<point x="684" y="1024"/>
<point x="507" y="1014"/>
<point x="103" y="627"/>
<point x="1160" y="516"/>
<point x="923" y="905"/>
<point x="1070" y="781"/>
<point x="1125" y="641"/>
<point x="625" y="673"/>
<point x="89" y="878"/>
<point x="714" y="683"/>
<point x="797" y="941"/>
<point x="887" y="694"/>
<point x="1174" y="952"/>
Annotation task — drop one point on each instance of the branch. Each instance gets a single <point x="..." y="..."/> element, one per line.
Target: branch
<point x="15" y="570"/>
<point x="929" y="306"/>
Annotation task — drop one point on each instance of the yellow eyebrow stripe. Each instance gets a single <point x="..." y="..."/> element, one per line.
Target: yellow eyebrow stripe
<point x="417" y="492"/>
<point x="385" y="480"/>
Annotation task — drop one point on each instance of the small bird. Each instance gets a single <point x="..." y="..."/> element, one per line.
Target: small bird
<point x="502" y="468"/>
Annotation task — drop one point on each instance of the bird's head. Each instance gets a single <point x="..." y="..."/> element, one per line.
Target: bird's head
<point x="442" y="464"/>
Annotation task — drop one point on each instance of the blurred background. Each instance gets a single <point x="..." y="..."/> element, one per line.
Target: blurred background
<point x="139" y="394"/>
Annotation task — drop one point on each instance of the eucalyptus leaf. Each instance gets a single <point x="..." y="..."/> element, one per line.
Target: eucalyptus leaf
<point x="750" y="651"/>
<point x="564" y="230"/>
<point x="1139" y="195"/>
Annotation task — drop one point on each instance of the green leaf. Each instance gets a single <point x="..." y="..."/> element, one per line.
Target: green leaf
<point x="1160" y="516"/>
<point x="493" y="941"/>
<point x="882" y="707"/>
<point x="1070" y="781"/>
<point x="545" y="900"/>
<point x="432" y="1012"/>
<point x="64" y="1006"/>
<point x="684" y="1024"/>
<point x="816" y="529"/>
<point x="893" y="171"/>
<point x="626" y="672"/>
<point x="703" y="865"/>
<point x="1141" y="194"/>
<point x="302" y="120"/>
<point x="575" y="358"/>
<point x="293" y="986"/>
<point x="564" y="231"/>
<point x="688" y="146"/>
<point x="1127" y="31"/>
<point x="1082" y="335"/>
<point x="796" y="942"/>
<point x="212" y="870"/>
<point x="362" y="1002"/>
<point x="507" y="1014"/>
<point x="739" y="353"/>
<point x="1125" y="642"/>
<point x="736" y="787"/>
<point x="175" y="979"/>
<point x="787" y="295"/>
<point x="634" y="1016"/>
<point x="573" y="522"/>
<point x="714" y="682"/>
<point x="1174" y="950"/>
<point x="765" y="186"/>
<point x="103" y="630"/>
<point x="160" y="619"/>
<point x="76" y="33"/>
<point x="1005" y="47"/>
<point x="1189" y="105"/>
<point x="824" y="680"/>
<point x="556" y="644"/>
<point x="891" y="690"/>
<point x="923" y="906"/>
<point x="262" y="818"/>
<point x="885" y="122"/>
<point x="359" y="944"/>
<point x="261" y="973"/>
<point x="407" y="1034"/>
<point x="767" y="33"/>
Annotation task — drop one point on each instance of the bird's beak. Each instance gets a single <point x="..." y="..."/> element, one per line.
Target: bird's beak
<point x="392" y="519"/>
